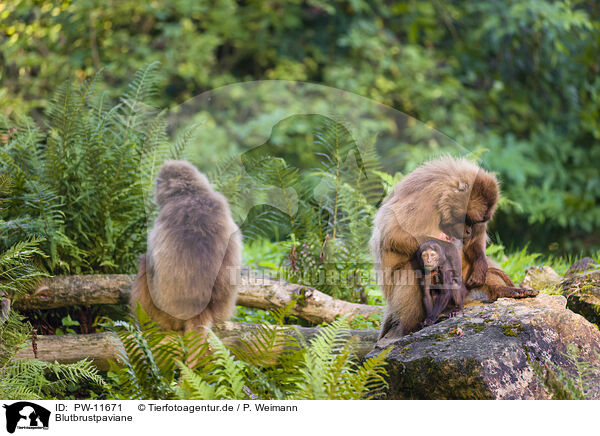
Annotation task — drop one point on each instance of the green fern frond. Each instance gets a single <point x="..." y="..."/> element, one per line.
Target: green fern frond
<point x="194" y="387"/>
<point x="224" y="380"/>
<point x="134" y="110"/>
<point x="265" y="345"/>
<point x="32" y="379"/>
<point x="14" y="334"/>
<point x="47" y="379"/>
<point x="11" y="391"/>
<point x="370" y="380"/>
<point x="230" y="371"/>
<point x="318" y="358"/>
<point x="17" y="271"/>
<point x="270" y="363"/>
<point x="150" y="357"/>
<point x="182" y="142"/>
<point x="141" y="377"/>
<point x="6" y="183"/>
<point x="84" y="184"/>
<point x="338" y="144"/>
<point x="63" y="113"/>
<point x="330" y="371"/>
<point x="389" y="181"/>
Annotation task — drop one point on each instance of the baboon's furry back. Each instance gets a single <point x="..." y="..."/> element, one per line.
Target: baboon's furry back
<point x="188" y="276"/>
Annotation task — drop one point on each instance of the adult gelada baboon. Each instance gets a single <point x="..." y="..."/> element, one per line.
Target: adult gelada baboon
<point x="187" y="278"/>
<point x="444" y="198"/>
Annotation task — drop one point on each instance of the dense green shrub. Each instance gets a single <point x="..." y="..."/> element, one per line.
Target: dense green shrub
<point x="84" y="182"/>
<point x="84" y="185"/>
<point x="269" y="363"/>
<point x="517" y="78"/>
<point x="21" y="378"/>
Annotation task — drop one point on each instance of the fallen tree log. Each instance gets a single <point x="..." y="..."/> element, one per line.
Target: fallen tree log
<point x="102" y="347"/>
<point x="262" y="292"/>
<point x="97" y="347"/>
<point x="255" y="290"/>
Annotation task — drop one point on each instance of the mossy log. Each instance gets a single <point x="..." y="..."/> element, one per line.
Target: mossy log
<point x="254" y="290"/>
<point x="102" y="347"/>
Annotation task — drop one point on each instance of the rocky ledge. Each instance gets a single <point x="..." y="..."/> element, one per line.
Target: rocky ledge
<point x="583" y="294"/>
<point x="532" y="348"/>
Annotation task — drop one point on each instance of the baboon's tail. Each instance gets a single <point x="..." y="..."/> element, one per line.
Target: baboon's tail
<point x="502" y="275"/>
<point x="139" y="288"/>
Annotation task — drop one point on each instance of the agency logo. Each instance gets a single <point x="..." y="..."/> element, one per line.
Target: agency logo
<point x="26" y="415"/>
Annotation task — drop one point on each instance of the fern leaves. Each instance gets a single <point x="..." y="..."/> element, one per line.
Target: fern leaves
<point x="30" y="379"/>
<point x="17" y="271"/>
<point x="273" y="362"/>
<point x="134" y="110"/>
<point x="84" y="185"/>
<point x="329" y="370"/>
<point x="35" y="379"/>
<point x="224" y="381"/>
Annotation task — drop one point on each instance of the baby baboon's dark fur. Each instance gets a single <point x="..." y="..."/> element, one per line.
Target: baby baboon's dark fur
<point x="442" y="280"/>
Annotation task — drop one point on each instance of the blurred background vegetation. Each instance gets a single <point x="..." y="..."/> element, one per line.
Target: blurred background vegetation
<point x="515" y="81"/>
<point x="95" y="95"/>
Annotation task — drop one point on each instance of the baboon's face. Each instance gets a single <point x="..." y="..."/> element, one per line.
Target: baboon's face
<point x="465" y="227"/>
<point x="470" y="209"/>
<point x="457" y="230"/>
<point x="430" y="259"/>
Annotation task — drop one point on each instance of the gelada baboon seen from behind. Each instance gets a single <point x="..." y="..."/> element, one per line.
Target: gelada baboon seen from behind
<point x="445" y="198"/>
<point x="187" y="278"/>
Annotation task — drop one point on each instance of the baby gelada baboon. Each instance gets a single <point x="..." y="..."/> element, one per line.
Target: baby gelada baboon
<point x="187" y="279"/>
<point x="441" y="278"/>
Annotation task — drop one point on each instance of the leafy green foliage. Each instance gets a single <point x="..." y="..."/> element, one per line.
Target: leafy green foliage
<point x="329" y="373"/>
<point x="83" y="185"/>
<point x="35" y="379"/>
<point x="30" y="379"/>
<point x="67" y="322"/>
<point x="518" y="79"/>
<point x="262" y="254"/>
<point x="150" y="358"/>
<point x="326" y="213"/>
<point x="18" y="273"/>
<point x="321" y="216"/>
<point x="514" y="264"/>
<point x="516" y="82"/>
<point x="224" y="382"/>
<point x="268" y="364"/>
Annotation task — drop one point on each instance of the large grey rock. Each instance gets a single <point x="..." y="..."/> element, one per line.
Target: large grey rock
<point x="540" y="277"/>
<point x="582" y="265"/>
<point x="582" y="292"/>
<point x="502" y="350"/>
